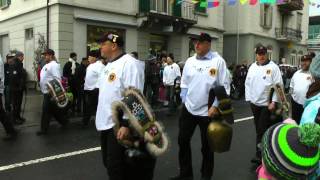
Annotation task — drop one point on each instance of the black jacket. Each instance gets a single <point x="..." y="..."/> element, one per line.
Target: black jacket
<point x="15" y="75"/>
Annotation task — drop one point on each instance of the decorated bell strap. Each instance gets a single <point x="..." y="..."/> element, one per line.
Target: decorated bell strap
<point x="225" y="105"/>
<point x="141" y="121"/>
<point x="57" y="93"/>
<point x="284" y="108"/>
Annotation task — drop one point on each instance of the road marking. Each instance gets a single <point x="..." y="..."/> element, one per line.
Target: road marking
<point x="50" y="158"/>
<point x="74" y="153"/>
<point x="243" y="119"/>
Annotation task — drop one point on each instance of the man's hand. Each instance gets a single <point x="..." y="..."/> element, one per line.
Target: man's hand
<point x="213" y="111"/>
<point x="122" y="133"/>
<point x="272" y="106"/>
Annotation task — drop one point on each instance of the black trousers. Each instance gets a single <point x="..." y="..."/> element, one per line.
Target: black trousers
<point x="187" y="125"/>
<point x="7" y="98"/>
<point x="8" y="127"/>
<point x="50" y="109"/>
<point x="16" y="100"/>
<point x="114" y="159"/>
<point x="170" y="93"/>
<point x="297" y="110"/>
<point x="262" y="122"/>
<point x="90" y="106"/>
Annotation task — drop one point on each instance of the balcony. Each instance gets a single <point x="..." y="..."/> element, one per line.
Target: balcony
<point x="288" y="34"/>
<point x="290" y="5"/>
<point x="162" y="12"/>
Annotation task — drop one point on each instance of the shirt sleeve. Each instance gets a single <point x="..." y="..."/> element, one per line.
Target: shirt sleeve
<point x="55" y="70"/>
<point x="277" y="79"/>
<point x="185" y="79"/>
<point x="247" y="85"/>
<point x="132" y="76"/>
<point x="178" y="73"/>
<point x="164" y="78"/>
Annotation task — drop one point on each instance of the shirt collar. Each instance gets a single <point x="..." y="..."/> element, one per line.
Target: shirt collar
<point x="265" y="63"/>
<point x="208" y="56"/>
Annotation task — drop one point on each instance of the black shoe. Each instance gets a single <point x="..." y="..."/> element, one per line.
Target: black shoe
<point x="206" y="178"/>
<point x="179" y="177"/>
<point x="40" y="133"/>
<point x="17" y="122"/>
<point x="10" y="137"/>
<point x="22" y="119"/>
<point x="256" y="160"/>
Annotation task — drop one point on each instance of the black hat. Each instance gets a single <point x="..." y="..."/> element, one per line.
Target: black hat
<point x="306" y="57"/>
<point x="49" y="52"/>
<point x="112" y="37"/>
<point x="261" y="50"/>
<point x="204" y="37"/>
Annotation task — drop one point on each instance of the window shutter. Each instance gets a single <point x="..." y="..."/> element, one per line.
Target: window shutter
<point x="270" y="16"/>
<point x="261" y="15"/>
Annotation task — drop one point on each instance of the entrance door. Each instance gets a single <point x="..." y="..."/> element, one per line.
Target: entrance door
<point x="29" y="54"/>
<point x="4" y="46"/>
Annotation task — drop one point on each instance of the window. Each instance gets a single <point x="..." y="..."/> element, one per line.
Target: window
<point x="293" y="58"/>
<point x="299" y="21"/>
<point x="29" y="34"/>
<point x="4" y="3"/>
<point x="200" y="9"/>
<point x="266" y="15"/>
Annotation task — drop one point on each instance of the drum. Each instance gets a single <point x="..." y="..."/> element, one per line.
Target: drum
<point x="58" y="93"/>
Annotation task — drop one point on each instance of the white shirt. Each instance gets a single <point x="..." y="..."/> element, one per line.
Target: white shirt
<point x="115" y="77"/>
<point x="170" y="73"/>
<point x="92" y="75"/>
<point x="199" y="77"/>
<point x="299" y="86"/>
<point x="1" y="75"/>
<point x="49" y="72"/>
<point x="259" y="81"/>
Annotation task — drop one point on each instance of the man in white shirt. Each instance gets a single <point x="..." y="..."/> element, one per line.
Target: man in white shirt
<point x="170" y="73"/>
<point x="91" y="91"/>
<point x="121" y="72"/>
<point x="49" y="72"/>
<point x="201" y="73"/>
<point x="262" y="75"/>
<point x="299" y="86"/>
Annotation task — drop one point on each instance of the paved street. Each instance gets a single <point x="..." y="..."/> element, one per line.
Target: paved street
<point x="73" y="153"/>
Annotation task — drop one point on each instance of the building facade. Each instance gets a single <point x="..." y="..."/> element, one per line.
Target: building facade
<point x="75" y="26"/>
<point x="314" y="34"/>
<point x="282" y="28"/>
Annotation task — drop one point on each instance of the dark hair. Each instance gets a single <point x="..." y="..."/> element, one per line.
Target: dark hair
<point x="163" y="56"/>
<point x="171" y="56"/>
<point x="73" y="54"/>
<point x="94" y="53"/>
<point x="135" y="54"/>
<point x="84" y="59"/>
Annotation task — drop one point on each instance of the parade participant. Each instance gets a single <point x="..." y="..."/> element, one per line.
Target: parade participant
<point x="69" y="71"/>
<point x="201" y="73"/>
<point x="8" y="127"/>
<point x="299" y="85"/>
<point x="90" y="86"/>
<point x="262" y="76"/>
<point x="121" y="72"/>
<point x="170" y="74"/>
<point x="9" y="60"/>
<point x="49" y="72"/>
<point x="290" y="152"/>
<point x="80" y="75"/>
<point x="17" y="84"/>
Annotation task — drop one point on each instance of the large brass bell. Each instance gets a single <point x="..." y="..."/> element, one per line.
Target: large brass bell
<point x="219" y="136"/>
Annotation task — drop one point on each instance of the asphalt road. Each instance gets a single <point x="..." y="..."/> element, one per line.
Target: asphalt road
<point x="73" y="153"/>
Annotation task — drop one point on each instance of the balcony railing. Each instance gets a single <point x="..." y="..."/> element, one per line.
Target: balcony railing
<point x="291" y="5"/>
<point x="185" y="10"/>
<point x="288" y="34"/>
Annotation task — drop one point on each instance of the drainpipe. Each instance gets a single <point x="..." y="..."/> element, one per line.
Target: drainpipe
<point x="48" y="23"/>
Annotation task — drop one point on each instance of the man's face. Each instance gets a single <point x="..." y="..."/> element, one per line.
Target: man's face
<point x="47" y="57"/>
<point x="107" y="48"/>
<point x="305" y="64"/>
<point x="21" y="58"/>
<point x="91" y="59"/>
<point x="75" y="58"/>
<point x="169" y="60"/>
<point x="202" y="47"/>
<point x="261" y="57"/>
